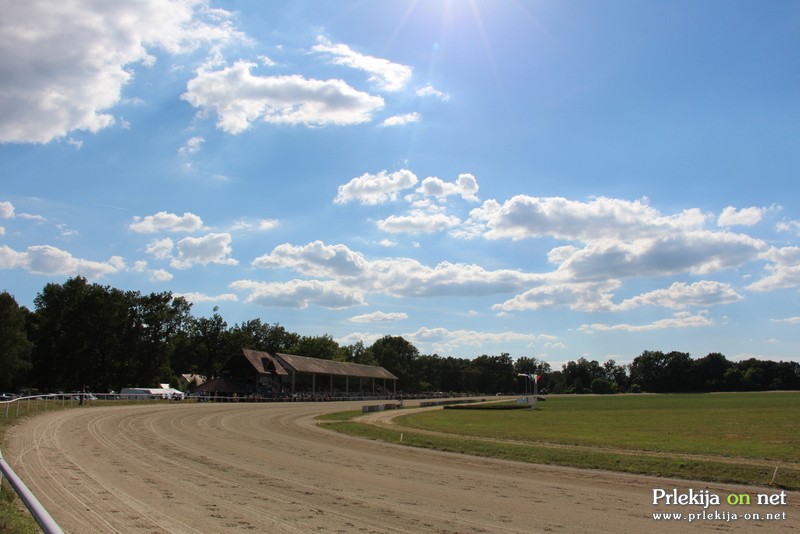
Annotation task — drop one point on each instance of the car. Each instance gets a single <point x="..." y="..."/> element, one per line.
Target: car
<point x="7" y="397"/>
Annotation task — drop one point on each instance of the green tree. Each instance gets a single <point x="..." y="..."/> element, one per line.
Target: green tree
<point x="256" y="335"/>
<point x="657" y="372"/>
<point x="323" y="347"/>
<point x="708" y="372"/>
<point x="579" y="375"/>
<point x="15" y="347"/>
<point x="495" y="374"/>
<point x="397" y="356"/>
<point x="358" y="353"/>
<point x="209" y="343"/>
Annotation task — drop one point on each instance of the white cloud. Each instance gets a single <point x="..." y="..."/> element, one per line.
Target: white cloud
<point x="238" y="98"/>
<point x="210" y="248"/>
<point x="51" y="261"/>
<point x="6" y="210"/>
<point x="696" y="252"/>
<point x="260" y="225"/>
<point x="379" y="317"/>
<point x="388" y="76"/>
<point x="160" y="275"/>
<point x="581" y="296"/>
<point x="400" y="120"/>
<point x="679" y="320"/>
<point x="603" y="218"/>
<point x="375" y="188"/>
<point x="744" y="217"/>
<point x="160" y="249"/>
<point x="465" y="186"/>
<point x="315" y="259"/>
<point x="192" y="146"/>
<point x="681" y="295"/>
<point x="784" y="267"/>
<point x="788" y="320"/>
<point x="788" y="226"/>
<point x="64" y="63"/>
<point x="395" y="276"/>
<point x="166" y="222"/>
<point x="429" y="90"/>
<point x="443" y="340"/>
<point x="299" y="294"/>
<point x="418" y="222"/>
<point x="195" y="297"/>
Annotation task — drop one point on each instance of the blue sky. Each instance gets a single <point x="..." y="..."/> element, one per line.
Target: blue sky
<point x="547" y="179"/>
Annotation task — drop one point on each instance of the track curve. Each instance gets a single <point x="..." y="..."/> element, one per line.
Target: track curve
<point x="270" y="468"/>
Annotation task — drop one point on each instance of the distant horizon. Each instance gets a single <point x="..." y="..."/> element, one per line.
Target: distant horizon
<point x="550" y="180"/>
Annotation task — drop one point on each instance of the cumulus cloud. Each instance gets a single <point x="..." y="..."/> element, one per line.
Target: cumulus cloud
<point x="784" y="269"/>
<point x="210" y="248"/>
<point x="581" y="296"/>
<point x="375" y="188"/>
<point x="681" y="295"/>
<point x="418" y="222"/>
<point x="379" y="317"/>
<point x="299" y="294"/>
<point x="429" y="90"/>
<point x="68" y="74"/>
<point x="195" y="297"/>
<point x="789" y="226"/>
<point x="192" y="146"/>
<point x="730" y="216"/>
<point x="524" y="217"/>
<point x="6" y="210"/>
<point x="465" y="186"/>
<point x="160" y="275"/>
<point x="385" y="74"/>
<point x="161" y="248"/>
<point x="788" y="320"/>
<point x="238" y="98"/>
<point x="394" y="276"/>
<point x="696" y="252"/>
<point x="400" y="120"/>
<point x="446" y="341"/>
<point x="260" y="225"/>
<point x="166" y="222"/>
<point x="443" y="340"/>
<point x="679" y="320"/>
<point x="51" y="261"/>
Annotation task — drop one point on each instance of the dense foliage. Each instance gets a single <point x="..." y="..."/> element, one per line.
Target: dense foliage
<point x="84" y="335"/>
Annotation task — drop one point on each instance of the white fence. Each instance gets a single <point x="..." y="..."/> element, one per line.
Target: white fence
<point x="46" y="523"/>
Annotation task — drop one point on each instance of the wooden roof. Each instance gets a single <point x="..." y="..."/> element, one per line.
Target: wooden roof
<point x="263" y="362"/>
<point x="304" y="364"/>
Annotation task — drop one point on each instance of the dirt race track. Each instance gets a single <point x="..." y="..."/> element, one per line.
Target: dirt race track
<point x="270" y="468"/>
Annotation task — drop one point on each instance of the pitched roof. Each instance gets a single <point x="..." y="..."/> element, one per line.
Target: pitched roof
<point x="304" y="364"/>
<point x="263" y="362"/>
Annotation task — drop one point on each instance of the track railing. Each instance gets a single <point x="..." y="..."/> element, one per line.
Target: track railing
<point x="46" y="523"/>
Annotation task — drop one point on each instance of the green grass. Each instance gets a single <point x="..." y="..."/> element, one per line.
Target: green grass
<point x="683" y="436"/>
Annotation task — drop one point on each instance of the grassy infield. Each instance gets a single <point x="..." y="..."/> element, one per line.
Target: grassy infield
<point x="734" y="438"/>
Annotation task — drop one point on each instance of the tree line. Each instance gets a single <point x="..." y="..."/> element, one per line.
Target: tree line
<point x="83" y="335"/>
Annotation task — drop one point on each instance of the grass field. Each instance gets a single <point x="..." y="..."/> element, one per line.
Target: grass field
<point x="736" y="437"/>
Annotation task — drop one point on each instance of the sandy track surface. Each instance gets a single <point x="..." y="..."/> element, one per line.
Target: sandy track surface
<point x="271" y="468"/>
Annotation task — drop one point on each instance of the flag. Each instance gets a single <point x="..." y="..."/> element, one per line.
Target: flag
<point x="536" y="377"/>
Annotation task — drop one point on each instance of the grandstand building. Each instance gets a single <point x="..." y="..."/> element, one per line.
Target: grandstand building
<point x="257" y="373"/>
